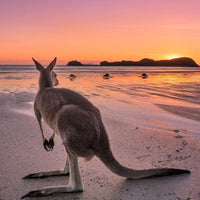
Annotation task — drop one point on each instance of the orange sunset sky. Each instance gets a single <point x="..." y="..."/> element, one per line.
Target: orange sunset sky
<point x="91" y="31"/>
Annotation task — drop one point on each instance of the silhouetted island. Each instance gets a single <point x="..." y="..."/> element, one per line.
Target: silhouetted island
<point x="181" y="62"/>
<point x="74" y="63"/>
<point x="77" y="63"/>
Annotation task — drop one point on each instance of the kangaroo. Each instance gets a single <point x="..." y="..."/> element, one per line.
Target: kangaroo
<point x="79" y="124"/>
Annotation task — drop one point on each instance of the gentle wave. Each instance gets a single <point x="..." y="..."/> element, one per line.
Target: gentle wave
<point x="9" y="68"/>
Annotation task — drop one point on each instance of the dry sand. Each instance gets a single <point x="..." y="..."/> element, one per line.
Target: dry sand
<point x="134" y="145"/>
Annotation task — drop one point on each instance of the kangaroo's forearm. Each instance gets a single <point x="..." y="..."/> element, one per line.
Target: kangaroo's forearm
<point x="39" y="119"/>
<point x="41" y="128"/>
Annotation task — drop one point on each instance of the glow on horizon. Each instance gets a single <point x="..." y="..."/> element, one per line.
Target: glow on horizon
<point x="173" y="56"/>
<point x="94" y="31"/>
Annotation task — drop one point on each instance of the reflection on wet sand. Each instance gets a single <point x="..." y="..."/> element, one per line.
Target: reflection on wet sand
<point x="177" y="88"/>
<point x="168" y="87"/>
<point x="187" y="112"/>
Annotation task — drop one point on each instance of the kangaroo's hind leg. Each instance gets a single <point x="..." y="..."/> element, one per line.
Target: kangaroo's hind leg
<point x="44" y="174"/>
<point x="74" y="185"/>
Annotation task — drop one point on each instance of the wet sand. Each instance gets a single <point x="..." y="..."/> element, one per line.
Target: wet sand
<point x="187" y="112"/>
<point x="134" y="142"/>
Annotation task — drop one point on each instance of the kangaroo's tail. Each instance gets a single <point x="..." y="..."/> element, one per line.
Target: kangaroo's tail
<point x="112" y="164"/>
<point x="106" y="156"/>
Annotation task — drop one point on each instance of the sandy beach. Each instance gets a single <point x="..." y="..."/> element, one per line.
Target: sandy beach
<point x="138" y="62"/>
<point x="143" y="134"/>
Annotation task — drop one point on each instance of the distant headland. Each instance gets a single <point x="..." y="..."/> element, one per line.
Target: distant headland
<point x="179" y="62"/>
<point x="77" y="63"/>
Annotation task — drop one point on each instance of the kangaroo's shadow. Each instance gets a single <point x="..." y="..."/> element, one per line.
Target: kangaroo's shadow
<point x="167" y="187"/>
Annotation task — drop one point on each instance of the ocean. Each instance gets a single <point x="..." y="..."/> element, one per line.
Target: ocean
<point x="179" y="85"/>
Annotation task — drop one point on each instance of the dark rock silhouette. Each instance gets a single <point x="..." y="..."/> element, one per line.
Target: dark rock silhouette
<point x="71" y="77"/>
<point x="106" y="76"/>
<point x="74" y="63"/>
<point x="77" y="63"/>
<point x="147" y="61"/>
<point x="144" y="75"/>
<point x="121" y="63"/>
<point x="183" y="61"/>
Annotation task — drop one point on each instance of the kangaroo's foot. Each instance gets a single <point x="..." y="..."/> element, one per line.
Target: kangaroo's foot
<point x="53" y="190"/>
<point x="47" y="174"/>
<point x="63" y="172"/>
<point x="74" y="185"/>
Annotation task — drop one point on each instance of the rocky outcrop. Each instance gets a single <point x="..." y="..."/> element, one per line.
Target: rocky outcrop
<point x="74" y="63"/>
<point x="182" y="61"/>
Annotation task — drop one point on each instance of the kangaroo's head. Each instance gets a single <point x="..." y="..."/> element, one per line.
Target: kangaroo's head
<point x="47" y="75"/>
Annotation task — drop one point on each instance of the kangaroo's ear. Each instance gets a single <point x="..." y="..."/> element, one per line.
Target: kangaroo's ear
<point x="52" y="64"/>
<point x="38" y="65"/>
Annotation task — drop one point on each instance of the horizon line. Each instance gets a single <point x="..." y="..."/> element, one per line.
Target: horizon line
<point x="96" y="63"/>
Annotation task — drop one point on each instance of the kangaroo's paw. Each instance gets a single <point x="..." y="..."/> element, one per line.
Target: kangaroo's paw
<point x="47" y="174"/>
<point x="51" y="144"/>
<point x="52" y="190"/>
<point x="46" y="145"/>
